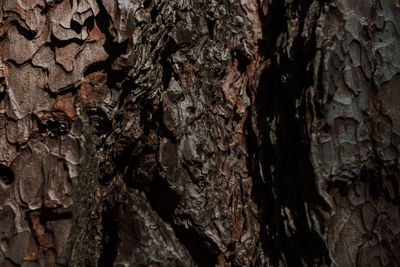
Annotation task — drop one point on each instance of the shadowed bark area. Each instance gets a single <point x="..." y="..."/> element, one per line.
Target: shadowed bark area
<point x="199" y="133"/>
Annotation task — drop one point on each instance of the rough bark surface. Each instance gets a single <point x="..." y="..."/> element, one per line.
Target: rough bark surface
<point x="199" y="133"/>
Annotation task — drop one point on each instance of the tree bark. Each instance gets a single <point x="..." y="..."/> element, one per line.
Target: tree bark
<point x="199" y="133"/>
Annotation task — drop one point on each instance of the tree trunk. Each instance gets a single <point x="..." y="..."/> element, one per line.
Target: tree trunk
<point x="199" y="133"/>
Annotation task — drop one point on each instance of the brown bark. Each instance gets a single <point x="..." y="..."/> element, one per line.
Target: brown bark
<point x="183" y="133"/>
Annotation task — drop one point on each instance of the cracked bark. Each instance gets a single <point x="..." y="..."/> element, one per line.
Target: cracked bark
<point x="183" y="133"/>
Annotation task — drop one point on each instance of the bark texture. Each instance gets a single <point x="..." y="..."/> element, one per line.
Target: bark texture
<point x="199" y="133"/>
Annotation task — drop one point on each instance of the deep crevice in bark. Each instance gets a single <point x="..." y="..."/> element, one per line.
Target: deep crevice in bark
<point x="6" y="174"/>
<point x="287" y="176"/>
<point x="243" y="61"/>
<point x="109" y="234"/>
<point x="167" y="73"/>
<point x="203" y="251"/>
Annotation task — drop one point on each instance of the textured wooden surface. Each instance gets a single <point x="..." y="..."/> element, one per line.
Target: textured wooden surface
<point x="183" y="133"/>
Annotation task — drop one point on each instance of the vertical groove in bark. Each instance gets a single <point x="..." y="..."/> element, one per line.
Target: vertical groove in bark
<point x="285" y="182"/>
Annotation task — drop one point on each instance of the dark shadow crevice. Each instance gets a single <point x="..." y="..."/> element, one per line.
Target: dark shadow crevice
<point x="286" y="176"/>
<point x="168" y="49"/>
<point x="6" y="175"/>
<point x="110" y="235"/>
